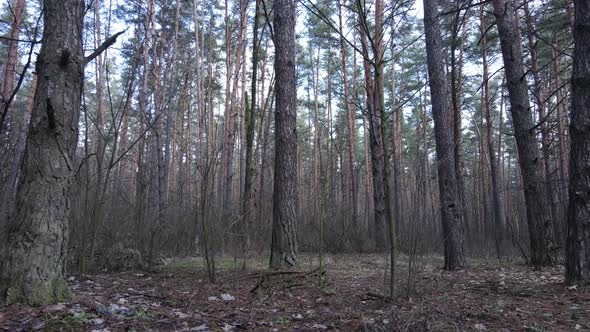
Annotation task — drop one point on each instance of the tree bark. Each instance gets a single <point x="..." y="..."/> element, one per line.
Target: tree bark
<point x="249" y="198"/>
<point x="8" y="185"/>
<point x="537" y="207"/>
<point x="539" y="98"/>
<point x="9" y="74"/>
<point x="457" y="26"/>
<point x="350" y="121"/>
<point x="380" y="205"/>
<point x="497" y="203"/>
<point x="33" y="264"/>
<point x="578" y="239"/>
<point x="442" y="115"/>
<point x="284" y="236"/>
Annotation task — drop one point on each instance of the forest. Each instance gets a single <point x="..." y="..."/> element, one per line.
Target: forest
<point x="294" y="165"/>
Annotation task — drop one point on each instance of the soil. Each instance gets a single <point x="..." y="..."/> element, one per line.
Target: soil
<point x="352" y="296"/>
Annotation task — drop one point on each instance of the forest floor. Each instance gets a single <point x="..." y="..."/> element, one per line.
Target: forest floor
<point x="485" y="297"/>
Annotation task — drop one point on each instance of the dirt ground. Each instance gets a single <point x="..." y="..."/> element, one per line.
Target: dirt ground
<point x="486" y="296"/>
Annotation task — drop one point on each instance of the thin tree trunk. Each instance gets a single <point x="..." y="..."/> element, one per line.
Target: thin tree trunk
<point x="539" y="95"/>
<point x="398" y="183"/>
<point x="350" y="121"/>
<point x="8" y="188"/>
<point x="9" y="74"/>
<point x="458" y="25"/>
<point x="249" y="198"/>
<point x="498" y="206"/>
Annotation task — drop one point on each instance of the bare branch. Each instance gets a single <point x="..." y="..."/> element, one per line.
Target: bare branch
<point x="106" y="44"/>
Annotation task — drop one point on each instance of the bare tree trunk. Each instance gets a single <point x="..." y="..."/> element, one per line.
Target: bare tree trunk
<point x="9" y="74"/>
<point x="316" y="189"/>
<point x="379" y="52"/>
<point x="375" y="140"/>
<point x="141" y="174"/>
<point x="578" y="240"/>
<point x="539" y="95"/>
<point x="441" y="113"/>
<point x="229" y="118"/>
<point x="350" y="121"/>
<point x="249" y="198"/>
<point x="284" y="235"/>
<point x="124" y="166"/>
<point x="561" y="133"/>
<point x="538" y="209"/>
<point x="20" y="145"/>
<point x="8" y="186"/>
<point x="458" y="26"/>
<point x="398" y="183"/>
<point x="33" y="263"/>
<point x="498" y="210"/>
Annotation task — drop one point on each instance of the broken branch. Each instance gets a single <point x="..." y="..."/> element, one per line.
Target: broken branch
<point x="106" y="44"/>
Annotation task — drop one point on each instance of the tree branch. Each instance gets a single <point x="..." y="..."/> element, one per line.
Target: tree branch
<point x="106" y="44"/>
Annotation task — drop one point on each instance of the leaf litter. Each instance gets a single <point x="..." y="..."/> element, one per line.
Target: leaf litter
<point x="485" y="297"/>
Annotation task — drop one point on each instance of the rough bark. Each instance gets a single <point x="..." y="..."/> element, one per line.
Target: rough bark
<point x="375" y="144"/>
<point x="442" y="115"/>
<point x="32" y="271"/>
<point x="578" y="237"/>
<point x="284" y="236"/>
<point x="537" y="206"/>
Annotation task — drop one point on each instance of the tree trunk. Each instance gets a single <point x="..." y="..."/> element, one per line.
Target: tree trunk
<point x="9" y="75"/>
<point x="537" y="207"/>
<point x="7" y="188"/>
<point x="441" y="113"/>
<point x="539" y="98"/>
<point x="458" y="24"/>
<point x="375" y="142"/>
<point x="398" y="172"/>
<point x="578" y="238"/>
<point x="497" y="203"/>
<point x="284" y="236"/>
<point x="249" y="199"/>
<point x="33" y="265"/>
<point x="350" y="121"/>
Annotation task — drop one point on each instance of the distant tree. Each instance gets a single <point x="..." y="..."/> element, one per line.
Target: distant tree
<point x="498" y="206"/>
<point x="9" y="72"/>
<point x="7" y="94"/>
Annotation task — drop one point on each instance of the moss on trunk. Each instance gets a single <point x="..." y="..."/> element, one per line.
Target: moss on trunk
<point x="34" y="294"/>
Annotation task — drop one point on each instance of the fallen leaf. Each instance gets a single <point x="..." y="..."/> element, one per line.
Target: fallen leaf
<point x="319" y="326"/>
<point x="297" y="317"/>
<point x="480" y="327"/>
